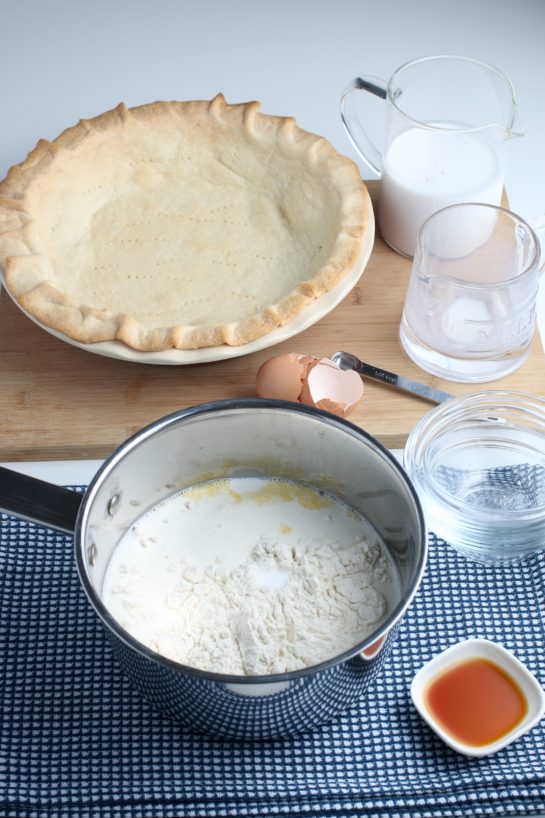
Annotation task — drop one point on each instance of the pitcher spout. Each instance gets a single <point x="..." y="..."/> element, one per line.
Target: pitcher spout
<point x="515" y="127"/>
<point x="502" y="132"/>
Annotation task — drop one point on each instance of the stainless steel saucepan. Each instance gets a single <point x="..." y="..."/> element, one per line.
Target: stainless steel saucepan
<point x="222" y="439"/>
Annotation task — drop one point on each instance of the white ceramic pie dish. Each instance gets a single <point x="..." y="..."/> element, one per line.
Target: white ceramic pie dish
<point x="306" y="318"/>
<point x="179" y="224"/>
<point x="493" y="652"/>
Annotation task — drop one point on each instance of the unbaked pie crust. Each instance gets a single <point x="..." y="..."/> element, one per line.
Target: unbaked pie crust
<point x="179" y="224"/>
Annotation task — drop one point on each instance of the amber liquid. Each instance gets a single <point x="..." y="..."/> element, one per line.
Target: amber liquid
<point x="476" y="701"/>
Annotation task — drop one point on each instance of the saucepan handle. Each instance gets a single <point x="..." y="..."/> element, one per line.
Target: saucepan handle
<point x="38" y="501"/>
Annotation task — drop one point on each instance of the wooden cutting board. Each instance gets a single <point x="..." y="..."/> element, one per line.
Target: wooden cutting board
<point x="61" y="402"/>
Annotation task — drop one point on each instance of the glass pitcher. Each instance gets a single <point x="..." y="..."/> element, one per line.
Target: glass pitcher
<point x="447" y="120"/>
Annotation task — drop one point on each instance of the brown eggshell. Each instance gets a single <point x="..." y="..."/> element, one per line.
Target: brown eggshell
<point x="282" y="377"/>
<point x="330" y="388"/>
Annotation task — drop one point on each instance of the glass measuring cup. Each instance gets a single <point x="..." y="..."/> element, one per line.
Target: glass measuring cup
<point x="448" y="118"/>
<point x="470" y="306"/>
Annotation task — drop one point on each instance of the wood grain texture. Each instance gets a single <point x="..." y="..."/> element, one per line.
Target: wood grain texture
<point x="60" y="402"/>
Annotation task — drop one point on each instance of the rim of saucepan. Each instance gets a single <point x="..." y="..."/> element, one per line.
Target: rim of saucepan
<point x="229" y="406"/>
<point x="530" y="268"/>
<point x="474" y="61"/>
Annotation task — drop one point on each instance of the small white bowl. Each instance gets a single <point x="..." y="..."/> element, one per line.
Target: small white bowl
<point x="481" y="648"/>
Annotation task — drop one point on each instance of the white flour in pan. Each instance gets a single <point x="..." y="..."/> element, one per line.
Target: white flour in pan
<point x="250" y="576"/>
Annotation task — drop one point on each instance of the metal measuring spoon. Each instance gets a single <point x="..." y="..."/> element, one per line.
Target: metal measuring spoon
<point x="345" y="360"/>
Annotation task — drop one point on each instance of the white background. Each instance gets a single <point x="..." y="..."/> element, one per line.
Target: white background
<point x="63" y="60"/>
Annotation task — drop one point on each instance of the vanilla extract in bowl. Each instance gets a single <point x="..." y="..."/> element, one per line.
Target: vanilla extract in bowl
<point x="476" y="701"/>
<point x="478" y="697"/>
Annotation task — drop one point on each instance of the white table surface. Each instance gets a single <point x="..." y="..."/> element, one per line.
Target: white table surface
<point x="64" y="60"/>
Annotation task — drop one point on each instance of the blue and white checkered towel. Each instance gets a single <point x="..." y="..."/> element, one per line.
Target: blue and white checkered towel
<point x="77" y="741"/>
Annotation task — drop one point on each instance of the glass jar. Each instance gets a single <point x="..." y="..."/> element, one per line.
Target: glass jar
<point x="478" y="465"/>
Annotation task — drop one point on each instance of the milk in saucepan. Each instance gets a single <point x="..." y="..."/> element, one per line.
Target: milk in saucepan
<point x="251" y="576"/>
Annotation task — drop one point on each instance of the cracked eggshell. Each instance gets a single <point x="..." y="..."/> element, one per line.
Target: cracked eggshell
<point x="282" y="377"/>
<point x="330" y="388"/>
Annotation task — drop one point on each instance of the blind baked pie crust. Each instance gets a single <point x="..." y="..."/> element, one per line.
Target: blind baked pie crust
<point x="179" y="224"/>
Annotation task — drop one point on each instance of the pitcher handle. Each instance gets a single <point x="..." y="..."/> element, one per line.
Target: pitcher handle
<point x="357" y="133"/>
<point x="538" y="226"/>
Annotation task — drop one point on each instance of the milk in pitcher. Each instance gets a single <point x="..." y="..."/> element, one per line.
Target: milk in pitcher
<point x="426" y="170"/>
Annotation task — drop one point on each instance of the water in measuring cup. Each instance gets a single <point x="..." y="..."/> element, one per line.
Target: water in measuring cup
<point x="467" y="336"/>
<point x="465" y="324"/>
<point x="424" y="171"/>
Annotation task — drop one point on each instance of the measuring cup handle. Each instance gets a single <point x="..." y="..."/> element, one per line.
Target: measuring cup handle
<point x="357" y="133"/>
<point x="538" y="226"/>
